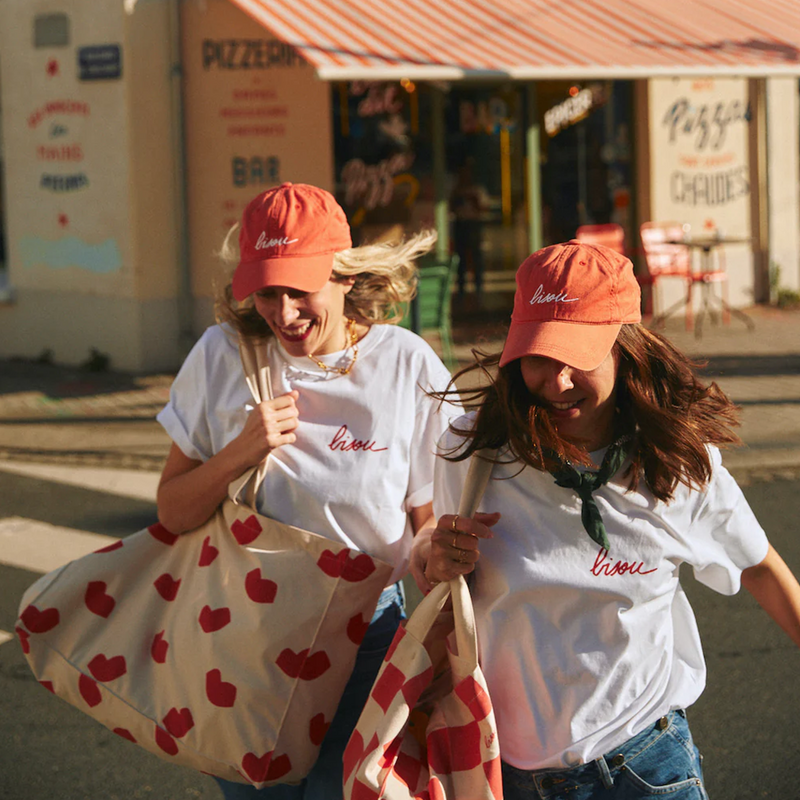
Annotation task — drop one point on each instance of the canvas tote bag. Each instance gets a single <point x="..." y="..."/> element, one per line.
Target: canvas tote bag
<point x="225" y="649"/>
<point x="428" y="729"/>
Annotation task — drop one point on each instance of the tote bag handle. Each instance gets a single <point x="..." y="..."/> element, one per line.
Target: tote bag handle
<point x="259" y="381"/>
<point x="423" y="618"/>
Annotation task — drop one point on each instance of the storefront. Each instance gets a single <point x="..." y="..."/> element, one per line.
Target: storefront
<point x="214" y="101"/>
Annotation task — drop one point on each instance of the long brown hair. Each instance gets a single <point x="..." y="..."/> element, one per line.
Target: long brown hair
<point x="661" y="403"/>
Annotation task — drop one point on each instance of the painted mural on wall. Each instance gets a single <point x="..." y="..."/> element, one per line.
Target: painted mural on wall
<point x="700" y="172"/>
<point x="256" y="116"/>
<point x="67" y="229"/>
<point x="56" y="136"/>
<point x="699" y="153"/>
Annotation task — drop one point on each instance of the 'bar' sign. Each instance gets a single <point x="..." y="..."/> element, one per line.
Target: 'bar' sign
<point x="99" y="62"/>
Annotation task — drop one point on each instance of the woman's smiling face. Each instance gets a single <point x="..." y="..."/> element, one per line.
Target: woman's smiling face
<point x="306" y="322"/>
<point x="580" y="403"/>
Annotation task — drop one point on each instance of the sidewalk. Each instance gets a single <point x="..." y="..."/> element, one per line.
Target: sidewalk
<point x="68" y="416"/>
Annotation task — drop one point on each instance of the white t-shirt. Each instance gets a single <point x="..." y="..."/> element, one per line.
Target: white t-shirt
<point x="583" y="648"/>
<point x="364" y="454"/>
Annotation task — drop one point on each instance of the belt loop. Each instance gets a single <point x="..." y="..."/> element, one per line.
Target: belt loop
<point x="605" y="774"/>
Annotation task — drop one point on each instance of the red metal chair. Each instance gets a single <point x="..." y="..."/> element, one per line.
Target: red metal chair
<point x="608" y="234"/>
<point x="666" y="257"/>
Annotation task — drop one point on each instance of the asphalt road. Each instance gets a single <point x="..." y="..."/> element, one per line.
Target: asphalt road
<point x="745" y="723"/>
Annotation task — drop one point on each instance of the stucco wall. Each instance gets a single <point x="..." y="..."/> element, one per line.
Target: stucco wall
<point x="256" y="116"/>
<point x="89" y="187"/>
<point x="783" y="155"/>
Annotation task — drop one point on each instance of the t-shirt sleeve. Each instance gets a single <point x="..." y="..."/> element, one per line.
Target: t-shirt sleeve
<point x="432" y="419"/>
<point x="726" y="537"/>
<point x="185" y="417"/>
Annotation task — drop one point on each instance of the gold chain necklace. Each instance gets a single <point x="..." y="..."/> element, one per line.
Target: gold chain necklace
<point x="352" y="335"/>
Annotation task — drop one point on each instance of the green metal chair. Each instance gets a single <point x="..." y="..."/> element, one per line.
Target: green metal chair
<point x="434" y="292"/>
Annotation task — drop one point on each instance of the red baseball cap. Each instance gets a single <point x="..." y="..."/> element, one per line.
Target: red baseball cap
<point x="288" y="237"/>
<point x="571" y="301"/>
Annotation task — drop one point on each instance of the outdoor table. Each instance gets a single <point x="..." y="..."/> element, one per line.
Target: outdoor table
<point x="706" y="245"/>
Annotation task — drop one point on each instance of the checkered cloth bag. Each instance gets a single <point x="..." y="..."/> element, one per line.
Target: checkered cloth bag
<point x="225" y="649"/>
<point x="428" y="731"/>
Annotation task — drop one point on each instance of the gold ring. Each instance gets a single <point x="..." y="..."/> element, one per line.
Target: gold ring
<point x="453" y="525"/>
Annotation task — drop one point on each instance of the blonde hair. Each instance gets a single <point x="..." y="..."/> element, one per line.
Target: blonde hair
<point x="385" y="277"/>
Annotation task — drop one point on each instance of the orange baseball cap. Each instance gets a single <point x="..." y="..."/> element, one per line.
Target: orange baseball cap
<point x="571" y="301"/>
<point x="288" y="237"/>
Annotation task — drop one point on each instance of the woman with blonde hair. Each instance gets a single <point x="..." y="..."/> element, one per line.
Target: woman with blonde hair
<point x="607" y="478"/>
<point x="351" y="430"/>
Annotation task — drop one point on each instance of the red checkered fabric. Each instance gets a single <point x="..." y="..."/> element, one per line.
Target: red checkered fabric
<point x="428" y="730"/>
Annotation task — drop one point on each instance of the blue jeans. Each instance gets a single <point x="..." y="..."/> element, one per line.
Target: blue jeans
<point x="659" y="762"/>
<point x="324" y="782"/>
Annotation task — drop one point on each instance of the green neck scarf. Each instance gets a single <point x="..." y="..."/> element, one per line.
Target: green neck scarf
<point x="584" y="483"/>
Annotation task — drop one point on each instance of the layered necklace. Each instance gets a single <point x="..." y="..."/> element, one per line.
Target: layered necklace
<point x="352" y="336"/>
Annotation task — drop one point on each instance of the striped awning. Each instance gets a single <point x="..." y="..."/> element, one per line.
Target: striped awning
<point x="536" y="39"/>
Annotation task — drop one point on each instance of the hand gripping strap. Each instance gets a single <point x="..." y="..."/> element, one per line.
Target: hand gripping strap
<point x="423" y="618"/>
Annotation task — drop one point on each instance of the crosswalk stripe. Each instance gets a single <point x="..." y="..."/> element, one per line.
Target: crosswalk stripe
<point x="137" y="484"/>
<point x="41" y="547"/>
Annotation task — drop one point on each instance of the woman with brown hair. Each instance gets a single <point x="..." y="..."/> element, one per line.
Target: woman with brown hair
<point x="607" y="478"/>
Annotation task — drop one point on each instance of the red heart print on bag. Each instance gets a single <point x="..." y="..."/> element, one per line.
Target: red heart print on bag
<point x="357" y="629"/>
<point x="219" y="692"/>
<point x="125" y="734"/>
<point x="89" y="690"/>
<point x="166" y="742"/>
<point x="265" y="768"/>
<point x="48" y="685"/>
<point x="167" y="586"/>
<point x="331" y="563"/>
<point x="207" y="553"/>
<point x="97" y="600"/>
<point x="214" y="620"/>
<point x="159" y="532"/>
<point x="159" y="647"/>
<point x="260" y="590"/>
<point x="40" y="621"/>
<point x="23" y="639"/>
<point x="340" y="564"/>
<point x="178" y="723"/>
<point x="317" y="729"/>
<point x="358" y="568"/>
<point x="247" y="531"/>
<point x="105" y="669"/>
<point x="110" y="548"/>
<point x="301" y="665"/>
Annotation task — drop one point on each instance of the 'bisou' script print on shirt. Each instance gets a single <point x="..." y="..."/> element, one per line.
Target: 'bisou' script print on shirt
<point x="343" y="441"/>
<point x="603" y="566"/>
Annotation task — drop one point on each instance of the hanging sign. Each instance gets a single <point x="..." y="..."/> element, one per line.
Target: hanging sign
<point x="99" y="62"/>
<point x="568" y="112"/>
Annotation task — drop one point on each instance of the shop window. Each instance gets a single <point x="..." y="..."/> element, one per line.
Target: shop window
<point x="586" y="157"/>
<point x="51" y="30"/>
<point x="383" y="157"/>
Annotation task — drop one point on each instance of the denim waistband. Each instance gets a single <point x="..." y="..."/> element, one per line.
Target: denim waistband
<point x="391" y="595"/>
<point x="552" y="781"/>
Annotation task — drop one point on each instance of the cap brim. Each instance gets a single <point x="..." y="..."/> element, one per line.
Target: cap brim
<point x="579" y="345"/>
<point x="306" y="274"/>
